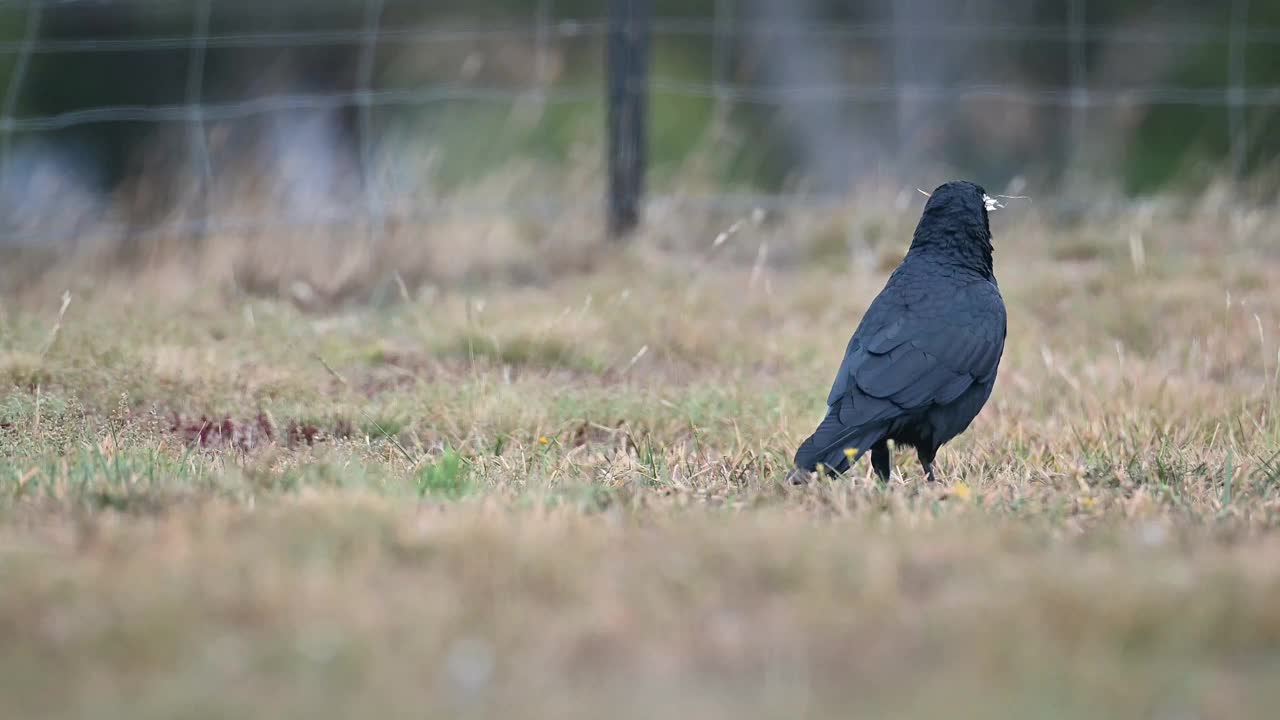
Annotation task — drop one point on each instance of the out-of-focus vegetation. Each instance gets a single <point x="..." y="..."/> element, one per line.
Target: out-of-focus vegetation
<point x="754" y="145"/>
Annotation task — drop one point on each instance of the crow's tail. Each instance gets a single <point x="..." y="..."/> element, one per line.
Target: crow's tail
<point x="836" y="445"/>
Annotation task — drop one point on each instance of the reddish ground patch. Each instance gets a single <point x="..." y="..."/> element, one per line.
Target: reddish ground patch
<point x="247" y="435"/>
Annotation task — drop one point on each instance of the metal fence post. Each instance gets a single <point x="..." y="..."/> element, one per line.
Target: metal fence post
<point x="1237" y="125"/>
<point x="17" y="78"/>
<point x="373" y="204"/>
<point x="195" y="117"/>
<point x="627" y="83"/>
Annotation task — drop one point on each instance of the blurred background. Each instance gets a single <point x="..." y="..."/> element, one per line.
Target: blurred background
<point x="123" y="120"/>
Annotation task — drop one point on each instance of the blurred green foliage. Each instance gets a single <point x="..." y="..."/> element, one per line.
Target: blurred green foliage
<point x="753" y="145"/>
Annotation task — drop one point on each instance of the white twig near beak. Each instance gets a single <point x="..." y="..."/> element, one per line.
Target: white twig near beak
<point x="1014" y="197"/>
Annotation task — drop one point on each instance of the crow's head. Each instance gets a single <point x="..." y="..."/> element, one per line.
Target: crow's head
<point x="955" y="221"/>
<point x="961" y="201"/>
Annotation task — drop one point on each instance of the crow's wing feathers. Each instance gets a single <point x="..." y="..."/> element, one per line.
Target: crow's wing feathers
<point x="887" y="337"/>
<point x="924" y="353"/>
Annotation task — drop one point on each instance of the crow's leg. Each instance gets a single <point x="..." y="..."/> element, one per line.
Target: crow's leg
<point x="926" y="461"/>
<point x="881" y="459"/>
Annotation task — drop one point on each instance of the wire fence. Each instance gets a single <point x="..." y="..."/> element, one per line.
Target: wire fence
<point x="724" y="84"/>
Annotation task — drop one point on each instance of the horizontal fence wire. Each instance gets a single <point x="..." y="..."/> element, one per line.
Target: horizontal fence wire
<point x="569" y="28"/>
<point x="320" y="38"/>
<point x="178" y="112"/>
<point x="542" y="31"/>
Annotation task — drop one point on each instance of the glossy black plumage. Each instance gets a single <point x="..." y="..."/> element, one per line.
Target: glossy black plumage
<point x="923" y="361"/>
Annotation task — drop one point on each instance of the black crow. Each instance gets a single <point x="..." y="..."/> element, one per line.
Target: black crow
<point x="923" y="360"/>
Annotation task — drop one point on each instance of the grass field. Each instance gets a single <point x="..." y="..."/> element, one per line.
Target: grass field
<point x="561" y="497"/>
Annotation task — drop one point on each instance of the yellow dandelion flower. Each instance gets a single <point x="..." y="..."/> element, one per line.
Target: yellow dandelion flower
<point x="850" y="452"/>
<point x="962" y="491"/>
<point x="544" y="440"/>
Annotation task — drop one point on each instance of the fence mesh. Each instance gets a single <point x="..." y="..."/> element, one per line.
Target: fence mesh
<point x="842" y="96"/>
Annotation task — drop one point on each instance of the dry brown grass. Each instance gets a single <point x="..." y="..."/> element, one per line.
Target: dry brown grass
<point x="559" y="496"/>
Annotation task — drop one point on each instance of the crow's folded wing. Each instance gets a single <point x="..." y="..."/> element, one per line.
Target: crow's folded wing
<point x="906" y="357"/>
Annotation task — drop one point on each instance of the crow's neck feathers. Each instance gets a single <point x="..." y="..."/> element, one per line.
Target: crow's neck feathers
<point x="960" y="235"/>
